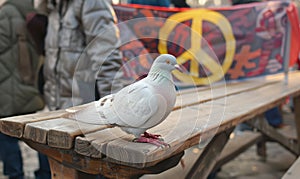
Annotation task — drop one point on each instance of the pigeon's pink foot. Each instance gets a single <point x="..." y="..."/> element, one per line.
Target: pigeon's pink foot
<point x="152" y="139"/>
<point x="152" y="136"/>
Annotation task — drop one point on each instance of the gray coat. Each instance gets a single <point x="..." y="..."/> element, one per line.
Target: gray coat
<point x="19" y="62"/>
<point x="81" y="51"/>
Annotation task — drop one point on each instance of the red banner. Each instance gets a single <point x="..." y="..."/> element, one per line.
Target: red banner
<point x="212" y="44"/>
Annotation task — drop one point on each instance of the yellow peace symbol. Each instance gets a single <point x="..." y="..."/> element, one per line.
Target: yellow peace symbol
<point x="195" y="53"/>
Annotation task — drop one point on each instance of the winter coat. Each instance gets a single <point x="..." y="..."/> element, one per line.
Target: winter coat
<point x="18" y="84"/>
<point x="82" y="56"/>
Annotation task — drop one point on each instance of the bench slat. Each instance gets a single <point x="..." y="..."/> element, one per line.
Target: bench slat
<point x="58" y="132"/>
<point x="14" y="126"/>
<point x="93" y="144"/>
<point x="195" y="96"/>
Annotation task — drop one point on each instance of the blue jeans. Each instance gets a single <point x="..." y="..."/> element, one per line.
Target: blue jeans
<point x="274" y="117"/>
<point x="44" y="170"/>
<point x="10" y="154"/>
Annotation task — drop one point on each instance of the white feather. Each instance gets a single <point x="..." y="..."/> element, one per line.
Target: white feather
<point x="139" y="106"/>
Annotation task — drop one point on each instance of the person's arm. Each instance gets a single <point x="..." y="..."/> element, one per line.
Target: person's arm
<point x="102" y="39"/>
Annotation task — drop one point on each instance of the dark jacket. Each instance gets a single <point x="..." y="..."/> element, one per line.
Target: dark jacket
<point x="18" y="84"/>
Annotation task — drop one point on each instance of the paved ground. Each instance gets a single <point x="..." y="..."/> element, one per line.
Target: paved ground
<point x="246" y="166"/>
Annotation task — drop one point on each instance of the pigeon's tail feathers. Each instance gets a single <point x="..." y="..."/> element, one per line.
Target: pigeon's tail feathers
<point x="89" y="115"/>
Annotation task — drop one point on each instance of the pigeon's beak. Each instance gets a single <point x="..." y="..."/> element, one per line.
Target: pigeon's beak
<point x="178" y="68"/>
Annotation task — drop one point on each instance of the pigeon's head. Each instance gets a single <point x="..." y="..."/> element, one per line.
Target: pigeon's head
<point x="166" y="62"/>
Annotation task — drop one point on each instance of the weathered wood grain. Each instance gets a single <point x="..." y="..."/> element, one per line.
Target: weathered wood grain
<point x="59" y="171"/>
<point x="95" y="166"/>
<point x="93" y="144"/>
<point x="59" y="132"/>
<point x="14" y="126"/>
<point x="197" y="96"/>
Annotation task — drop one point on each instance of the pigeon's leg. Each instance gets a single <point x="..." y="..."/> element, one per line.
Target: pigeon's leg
<point x="152" y="136"/>
<point x="152" y="139"/>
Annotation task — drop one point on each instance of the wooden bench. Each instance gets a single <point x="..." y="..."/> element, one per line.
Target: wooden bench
<point x="294" y="171"/>
<point x="204" y="116"/>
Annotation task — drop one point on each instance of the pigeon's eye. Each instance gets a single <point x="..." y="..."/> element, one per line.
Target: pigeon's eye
<point x="168" y="61"/>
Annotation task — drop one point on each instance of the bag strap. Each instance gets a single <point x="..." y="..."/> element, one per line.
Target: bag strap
<point x="25" y="65"/>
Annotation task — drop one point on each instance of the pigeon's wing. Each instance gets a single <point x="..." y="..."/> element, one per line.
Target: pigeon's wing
<point x="136" y="104"/>
<point x="92" y="112"/>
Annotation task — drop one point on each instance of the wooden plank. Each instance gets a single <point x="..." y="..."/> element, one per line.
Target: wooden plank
<point x="200" y="120"/>
<point x="93" y="144"/>
<point x="294" y="171"/>
<point x="59" y="132"/>
<point x="59" y="171"/>
<point x="96" y="166"/>
<point x="193" y="97"/>
<point x="14" y="126"/>
<point x="63" y="136"/>
<point x="248" y="82"/>
<point x="37" y="131"/>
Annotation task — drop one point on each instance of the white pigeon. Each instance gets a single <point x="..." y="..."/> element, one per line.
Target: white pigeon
<point x="139" y="106"/>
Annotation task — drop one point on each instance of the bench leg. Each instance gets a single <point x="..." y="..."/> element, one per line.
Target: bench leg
<point x="272" y="134"/>
<point x="60" y="171"/>
<point x="261" y="149"/>
<point x="205" y="163"/>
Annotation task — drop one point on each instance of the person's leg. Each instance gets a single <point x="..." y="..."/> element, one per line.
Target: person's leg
<point x="274" y="117"/>
<point x="11" y="156"/>
<point x="44" y="171"/>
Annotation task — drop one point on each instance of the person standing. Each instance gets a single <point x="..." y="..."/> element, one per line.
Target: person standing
<point x="19" y="63"/>
<point x="83" y="60"/>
